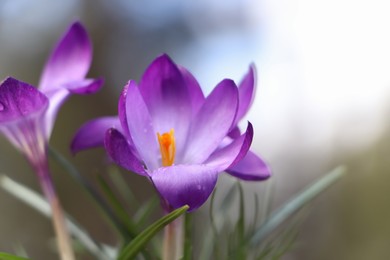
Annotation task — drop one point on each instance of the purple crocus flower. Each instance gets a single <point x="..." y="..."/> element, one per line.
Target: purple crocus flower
<point x="168" y="131"/>
<point x="27" y="114"/>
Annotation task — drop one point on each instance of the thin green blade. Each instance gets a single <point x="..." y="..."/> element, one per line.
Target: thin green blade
<point x="90" y="189"/>
<point x="38" y="203"/>
<point x="5" y="256"/>
<point x="280" y="215"/>
<point x="138" y="243"/>
<point x="145" y="211"/>
<point x="120" y="211"/>
<point x="240" y="227"/>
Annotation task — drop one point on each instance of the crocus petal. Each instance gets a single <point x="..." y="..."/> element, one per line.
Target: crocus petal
<point x="122" y="111"/>
<point x="231" y="154"/>
<point x="70" y="59"/>
<point x="185" y="184"/>
<point x="19" y="99"/>
<point x="22" y="107"/>
<point x="84" y="86"/>
<point x="123" y="119"/>
<point x="58" y="96"/>
<point x="234" y="132"/>
<point x="250" y="168"/>
<point x="140" y="126"/>
<point x="92" y="133"/>
<point x="246" y="90"/>
<point x="212" y="122"/>
<point x="120" y="152"/>
<point x="194" y="90"/>
<point x="166" y="96"/>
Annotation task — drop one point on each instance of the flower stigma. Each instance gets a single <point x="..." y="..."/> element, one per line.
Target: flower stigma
<point x="167" y="147"/>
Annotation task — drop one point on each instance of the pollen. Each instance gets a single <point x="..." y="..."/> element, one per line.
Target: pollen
<point x="167" y="147"/>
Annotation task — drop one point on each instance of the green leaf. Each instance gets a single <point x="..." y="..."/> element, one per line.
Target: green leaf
<point x="284" y="212"/>
<point x="90" y="189"/>
<point x="145" y="211"/>
<point x="255" y="213"/>
<point x="228" y="198"/>
<point x="5" y="256"/>
<point x="211" y="214"/>
<point x="142" y="218"/>
<point x="38" y="203"/>
<point x="139" y="242"/>
<point x="216" y="250"/>
<point x="118" y="208"/>
<point x="282" y="243"/>
<point x="241" y="226"/>
<point x="20" y="250"/>
<point x="116" y="177"/>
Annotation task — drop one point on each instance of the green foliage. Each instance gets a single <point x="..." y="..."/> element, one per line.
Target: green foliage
<point x="120" y="211"/>
<point x="231" y="233"/>
<point x="245" y="239"/>
<point x="138" y="243"/>
<point x="38" y="203"/>
<point x="284" y="212"/>
<point x="90" y="190"/>
<point x="5" y="256"/>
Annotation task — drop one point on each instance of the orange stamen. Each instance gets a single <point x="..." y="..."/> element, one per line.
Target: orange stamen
<point x="167" y="147"/>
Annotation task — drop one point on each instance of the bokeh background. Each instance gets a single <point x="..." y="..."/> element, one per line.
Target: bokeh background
<point x="322" y="99"/>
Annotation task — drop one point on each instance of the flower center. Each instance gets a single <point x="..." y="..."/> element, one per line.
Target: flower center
<point x="167" y="147"/>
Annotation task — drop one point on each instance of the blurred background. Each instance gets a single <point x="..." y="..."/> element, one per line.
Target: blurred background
<point x="323" y="92"/>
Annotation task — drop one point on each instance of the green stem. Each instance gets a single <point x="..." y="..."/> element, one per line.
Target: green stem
<point x="173" y="240"/>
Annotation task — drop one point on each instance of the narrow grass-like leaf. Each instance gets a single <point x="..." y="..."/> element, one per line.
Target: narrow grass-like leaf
<point x="145" y="211"/>
<point x="229" y="198"/>
<point x="138" y="243"/>
<point x="38" y="203"/>
<point x="255" y="214"/>
<point x="187" y="254"/>
<point x="130" y="224"/>
<point x="230" y="247"/>
<point x="241" y="250"/>
<point x="90" y="189"/>
<point x="142" y="217"/>
<point x="286" y="243"/>
<point x="280" y="215"/>
<point x="20" y="250"/>
<point x="207" y="245"/>
<point x="265" y="252"/>
<point x="118" y="208"/>
<point x="121" y="186"/>
<point x="211" y="214"/>
<point x="266" y="201"/>
<point x="214" y="226"/>
<point x="282" y="243"/>
<point x="5" y="256"/>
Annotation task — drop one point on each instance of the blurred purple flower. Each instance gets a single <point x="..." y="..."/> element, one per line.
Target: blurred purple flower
<point x="27" y="114"/>
<point x="22" y="110"/>
<point x="168" y="131"/>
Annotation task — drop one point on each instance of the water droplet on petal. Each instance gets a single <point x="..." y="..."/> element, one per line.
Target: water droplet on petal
<point x="1" y="107"/>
